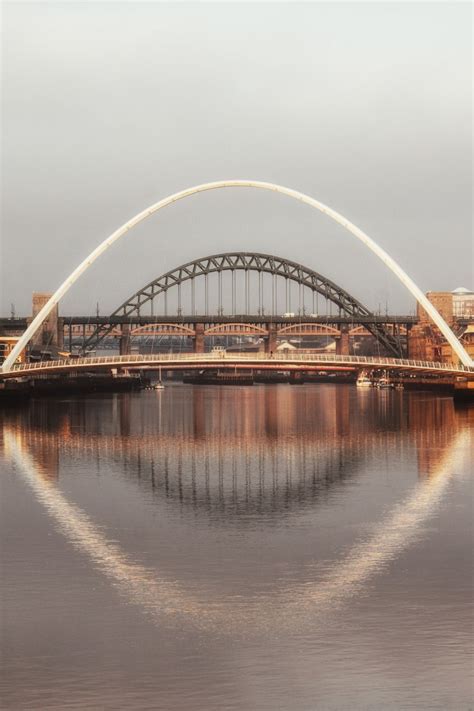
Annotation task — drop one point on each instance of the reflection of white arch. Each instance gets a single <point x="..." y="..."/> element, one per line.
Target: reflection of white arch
<point x="373" y="246"/>
<point x="159" y="596"/>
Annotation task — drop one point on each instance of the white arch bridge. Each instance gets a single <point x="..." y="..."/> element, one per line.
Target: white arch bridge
<point x="292" y="361"/>
<point x="451" y="338"/>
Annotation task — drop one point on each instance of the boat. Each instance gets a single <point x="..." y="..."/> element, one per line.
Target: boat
<point x="213" y="377"/>
<point x="159" y="385"/>
<point x="363" y="381"/>
<point x="383" y="382"/>
<point x="271" y="377"/>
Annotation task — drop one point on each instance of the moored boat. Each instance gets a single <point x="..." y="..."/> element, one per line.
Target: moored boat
<point x="209" y="377"/>
<point x="383" y="382"/>
<point x="363" y="380"/>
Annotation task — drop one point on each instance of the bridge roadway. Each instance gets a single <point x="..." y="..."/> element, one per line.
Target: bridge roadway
<point x="238" y="318"/>
<point x="20" y="323"/>
<point x="262" y="361"/>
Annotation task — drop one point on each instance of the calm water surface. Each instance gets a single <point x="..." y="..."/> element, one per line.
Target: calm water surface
<point x="261" y="548"/>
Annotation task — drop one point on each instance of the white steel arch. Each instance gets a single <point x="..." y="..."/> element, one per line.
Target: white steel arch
<point x="295" y="194"/>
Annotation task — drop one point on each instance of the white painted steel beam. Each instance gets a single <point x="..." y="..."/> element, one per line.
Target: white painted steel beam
<point x="301" y="197"/>
<point x="299" y="360"/>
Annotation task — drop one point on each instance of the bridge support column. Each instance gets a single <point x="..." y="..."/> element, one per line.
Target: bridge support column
<point x="342" y="343"/>
<point x="124" y="340"/>
<point x="61" y="334"/>
<point x="49" y="335"/>
<point x="271" y="340"/>
<point x="419" y="343"/>
<point x="198" y="339"/>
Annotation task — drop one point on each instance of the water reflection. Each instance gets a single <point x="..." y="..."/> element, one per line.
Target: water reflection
<point x="228" y="455"/>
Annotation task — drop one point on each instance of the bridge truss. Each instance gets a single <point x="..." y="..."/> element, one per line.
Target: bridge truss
<point x="246" y="262"/>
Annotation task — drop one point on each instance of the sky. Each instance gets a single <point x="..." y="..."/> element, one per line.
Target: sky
<point x="108" y="107"/>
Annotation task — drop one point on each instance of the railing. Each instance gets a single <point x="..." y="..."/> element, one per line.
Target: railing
<point x="287" y="358"/>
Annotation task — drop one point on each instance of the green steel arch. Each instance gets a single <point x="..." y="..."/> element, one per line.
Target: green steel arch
<point x="248" y="261"/>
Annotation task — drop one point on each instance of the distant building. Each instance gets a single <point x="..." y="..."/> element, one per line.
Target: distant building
<point x="467" y="340"/>
<point x="463" y="303"/>
<point x="425" y="341"/>
<point x="49" y="337"/>
<point x="443" y="303"/>
<point x="7" y="344"/>
<point x="285" y="346"/>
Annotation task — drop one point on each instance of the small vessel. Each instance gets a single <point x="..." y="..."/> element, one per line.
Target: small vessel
<point x="159" y="385"/>
<point x="363" y="381"/>
<point x="216" y="377"/>
<point x="384" y="382"/>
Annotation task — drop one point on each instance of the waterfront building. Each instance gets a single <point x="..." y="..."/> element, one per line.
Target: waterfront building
<point x="463" y="303"/>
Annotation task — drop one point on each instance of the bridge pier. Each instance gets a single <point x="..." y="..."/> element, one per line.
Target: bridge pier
<point x="50" y="335"/>
<point x="61" y="333"/>
<point x="124" y="340"/>
<point x="271" y="340"/>
<point x="198" y="339"/>
<point x="342" y="343"/>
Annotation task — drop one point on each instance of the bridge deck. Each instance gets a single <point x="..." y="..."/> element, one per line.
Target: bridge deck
<point x="263" y="361"/>
<point x="22" y="322"/>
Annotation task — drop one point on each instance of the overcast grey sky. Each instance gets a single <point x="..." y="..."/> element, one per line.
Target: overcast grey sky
<point x="108" y="107"/>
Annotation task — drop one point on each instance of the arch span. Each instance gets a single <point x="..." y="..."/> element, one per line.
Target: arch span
<point x="236" y="329"/>
<point x="247" y="261"/>
<point x="163" y="329"/>
<point x="272" y="187"/>
<point x="308" y="329"/>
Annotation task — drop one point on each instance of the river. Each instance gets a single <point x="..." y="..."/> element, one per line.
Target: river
<point x="255" y="548"/>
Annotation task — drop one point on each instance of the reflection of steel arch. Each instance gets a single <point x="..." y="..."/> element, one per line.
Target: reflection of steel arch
<point x="296" y="195"/>
<point x="215" y="469"/>
<point x="248" y="261"/>
<point x="158" y="595"/>
<point x="236" y="329"/>
<point x="308" y="329"/>
<point x="163" y="329"/>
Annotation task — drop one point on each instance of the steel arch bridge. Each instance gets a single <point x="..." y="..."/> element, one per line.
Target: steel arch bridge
<point x="246" y="262"/>
<point x="301" y="197"/>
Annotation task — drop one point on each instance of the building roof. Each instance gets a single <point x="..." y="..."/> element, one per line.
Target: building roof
<point x="285" y="346"/>
<point x="461" y="290"/>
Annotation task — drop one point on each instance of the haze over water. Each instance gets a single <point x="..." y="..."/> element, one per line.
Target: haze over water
<point x="267" y="547"/>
